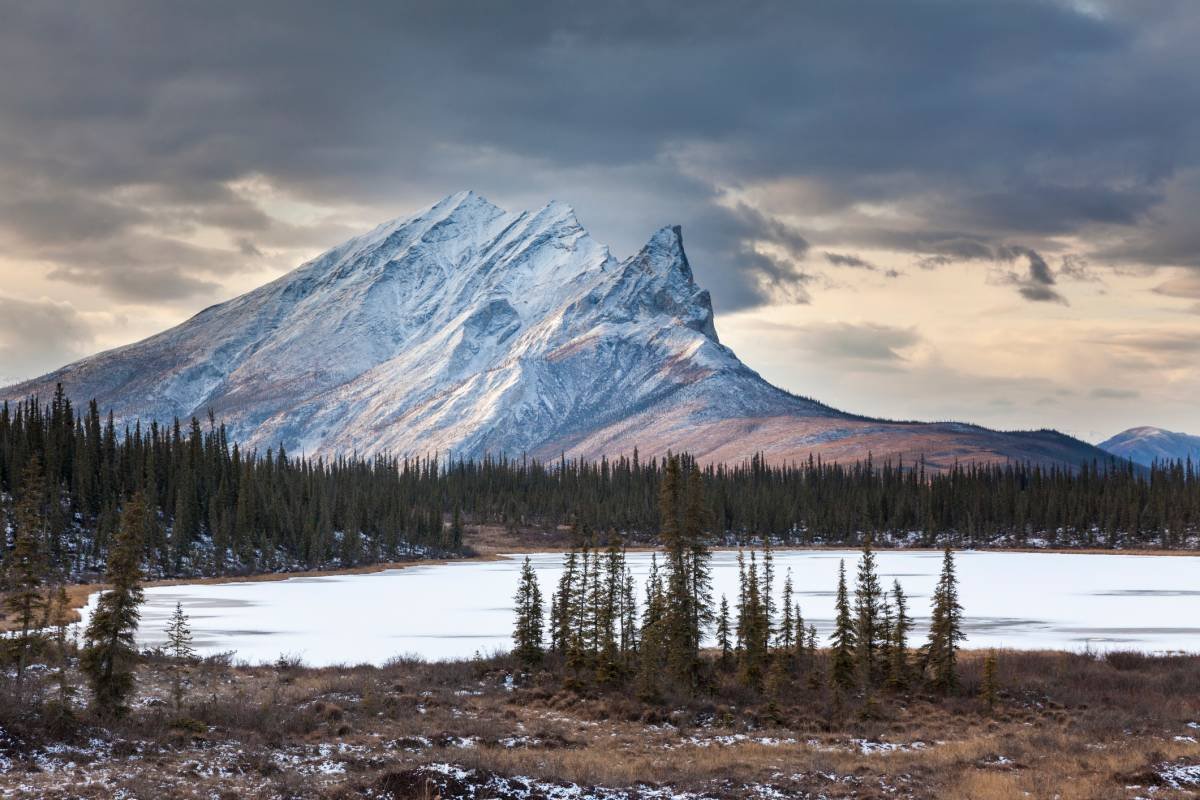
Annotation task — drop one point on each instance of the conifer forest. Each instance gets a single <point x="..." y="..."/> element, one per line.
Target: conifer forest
<point x="215" y="509"/>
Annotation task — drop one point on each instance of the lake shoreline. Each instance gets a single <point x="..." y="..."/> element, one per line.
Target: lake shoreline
<point x="78" y="594"/>
<point x="453" y="608"/>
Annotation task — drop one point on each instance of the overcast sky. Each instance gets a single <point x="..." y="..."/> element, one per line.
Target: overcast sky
<point x="925" y="210"/>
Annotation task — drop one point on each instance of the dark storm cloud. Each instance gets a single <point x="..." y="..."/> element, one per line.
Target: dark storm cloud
<point x="847" y="260"/>
<point x="1077" y="269"/>
<point x="989" y="125"/>
<point x="1037" y="283"/>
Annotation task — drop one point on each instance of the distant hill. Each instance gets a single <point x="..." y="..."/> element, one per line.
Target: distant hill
<point x="475" y="330"/>
<point x="1146" y="444"/>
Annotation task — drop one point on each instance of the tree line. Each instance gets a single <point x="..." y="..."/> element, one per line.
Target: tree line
<point x="597" y="631"/>
<point x="214" y="508"/>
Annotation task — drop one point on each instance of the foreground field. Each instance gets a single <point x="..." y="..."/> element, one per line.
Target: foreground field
<point x="1066" y="726"/>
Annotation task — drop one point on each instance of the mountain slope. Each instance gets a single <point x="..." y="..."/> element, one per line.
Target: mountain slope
<point x="1146" y="444"/>
<point x="475" y="330"/>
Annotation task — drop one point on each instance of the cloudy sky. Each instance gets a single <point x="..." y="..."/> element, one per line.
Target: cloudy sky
<point x="922" y="210"/>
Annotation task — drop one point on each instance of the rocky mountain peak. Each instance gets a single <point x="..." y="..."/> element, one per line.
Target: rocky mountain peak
<point x="475" y="330"/>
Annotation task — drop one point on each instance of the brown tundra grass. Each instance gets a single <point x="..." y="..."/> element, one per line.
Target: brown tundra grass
<point x="1065" y="726"/>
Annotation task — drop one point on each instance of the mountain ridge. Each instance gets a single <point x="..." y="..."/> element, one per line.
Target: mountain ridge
<point x="1146" y="444"/>
<point x="477" y="330"/>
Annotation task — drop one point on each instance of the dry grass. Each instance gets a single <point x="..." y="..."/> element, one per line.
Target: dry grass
<point x="1068" y="726"/>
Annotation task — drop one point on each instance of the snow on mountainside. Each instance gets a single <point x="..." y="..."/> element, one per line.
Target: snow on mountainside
<point x="1145" y="445"/>
<point x="471" y="329"/>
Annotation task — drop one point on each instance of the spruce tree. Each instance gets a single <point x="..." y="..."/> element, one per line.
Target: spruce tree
<point x="26" y="565"/>
<point x="988" y="690"/>
<point x="767" y="585"/>
<point x="527" y="633"/>
<point x="629" y="638"/>
<point x="608" y="615"/>
<point x="814" y="669"/>
<point x="801" y="627"/>
<point x="578" y="639"/>
<point x="179" y="636"/>
<point x="699" y="562"/>
<point x="652" y="644"/>
<point x="61" y="618"/>
<point x="555" y="645"/>
<point x="181" y="651"/>
<point x="110" y="650"/>
<point x="563" y="611"/>
<point x="868" y="623"/>
<point x="842" y="642"/>
<point x="945" y="629"/>
<point x="681" y="638"/>
<point x="898" y="670"/>
<point x="723" y="641"/>
<point x="456" y="530"/>
<point x="884" y="651"/>
<point x="740" y="617"/>
<point x="784" y="636"/>
<point x="752" y="658"/>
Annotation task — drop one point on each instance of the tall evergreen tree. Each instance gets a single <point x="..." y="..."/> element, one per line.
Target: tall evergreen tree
<point x="629" y="616"/>
<point x="752" y="658"/>
<point x="528" y="633"/>
<point x="945" y="629"/>
<point x="610" y="594"/>
<point x="110" y="651"/>
<point x="785" y="636"/>
<point x="898" y="669"/>
<point x="26" y="564"/>
<point x="723" y="641"/>
<point x="868" y="617"/>
<point x="699" y="562"/>
<point x="563" y="612"/>
<point x="842" y="642"/>
<point x="680" y="635"/>
<point x="652" y="644"/>
<point x="767" y="585"/>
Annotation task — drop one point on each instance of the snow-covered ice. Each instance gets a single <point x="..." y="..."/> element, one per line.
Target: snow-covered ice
<point x="1012" y="600"/>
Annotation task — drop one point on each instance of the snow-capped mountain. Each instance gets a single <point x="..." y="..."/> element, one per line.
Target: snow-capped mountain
<point x="1146" y="444"/>
<point x="473" y="330"/>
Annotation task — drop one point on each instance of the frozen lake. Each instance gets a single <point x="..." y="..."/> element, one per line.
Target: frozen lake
<point x="1013" y="600"/>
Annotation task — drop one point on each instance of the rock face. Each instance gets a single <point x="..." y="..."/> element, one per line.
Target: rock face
<point x="474" y="330"/>
<point x="1145" y="445"/>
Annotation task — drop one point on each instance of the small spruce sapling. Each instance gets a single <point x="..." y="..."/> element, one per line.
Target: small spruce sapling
<point x="181" y="651"/>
